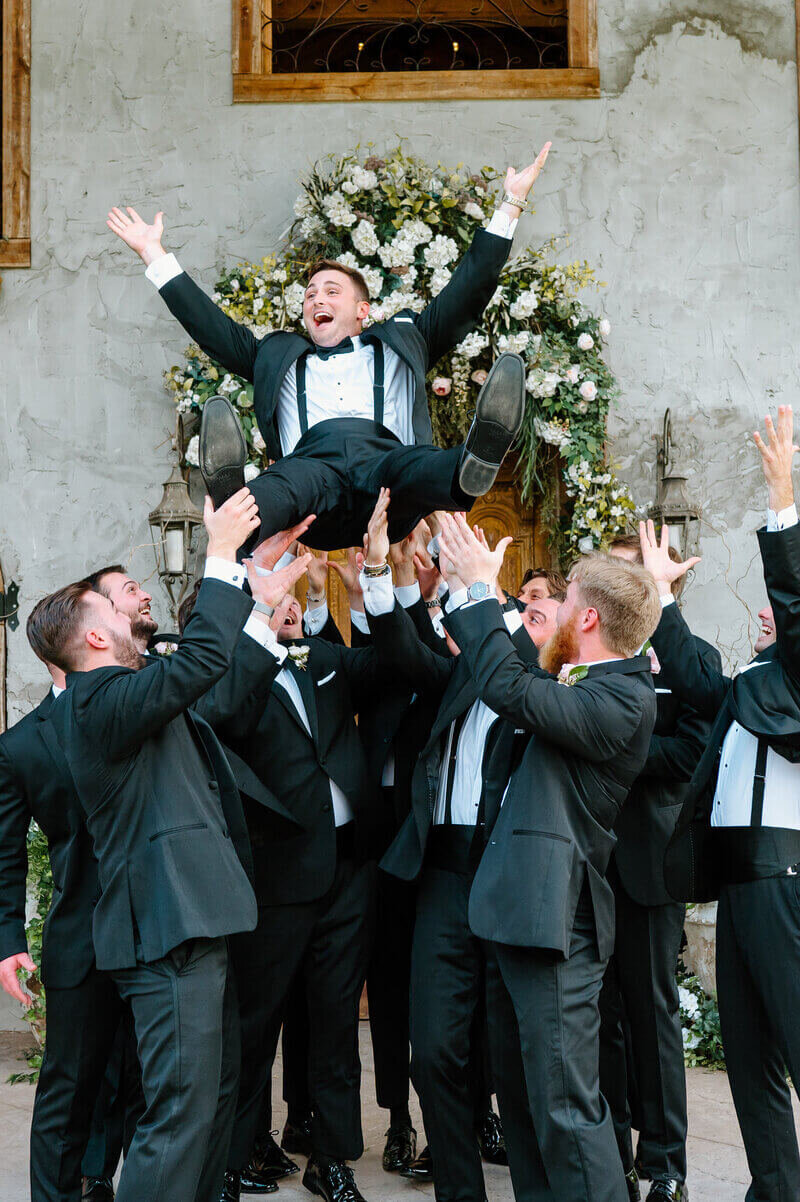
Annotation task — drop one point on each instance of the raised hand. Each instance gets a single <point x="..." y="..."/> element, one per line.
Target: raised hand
<point x="519" y="183"/>
<point x="428" y="575"/>
<point x="471" y="559"/>
<point x="655" y="557"/>
<point x="376" y="540"/>
<point x="230" y="525"/>
<point x="268" y="552"/>
<point x="137" y="234"/>
<point x="9" y="979"/>
<point x="403" y="554"/>
<point x="348" y="572"/>
<point x="776" y="458"/>
<point x="271" y="590"/>
<point x="317" y="571"/>
<point x="281" y="610"/>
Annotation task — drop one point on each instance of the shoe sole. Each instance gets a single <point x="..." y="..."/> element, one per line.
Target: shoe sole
<point x="497" y="422"/>
<point x="222" y="450"/>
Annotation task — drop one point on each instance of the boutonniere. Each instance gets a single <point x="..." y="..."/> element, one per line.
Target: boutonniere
<point x="165" y="648"/>
<point x="649" y="650"/>
<point x="299" y="656"/>
<point x="571" y="673"/>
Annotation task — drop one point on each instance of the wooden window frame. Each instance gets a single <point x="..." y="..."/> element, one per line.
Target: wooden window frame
<point x="253" y="82"/>
<point x="15" y="135"/>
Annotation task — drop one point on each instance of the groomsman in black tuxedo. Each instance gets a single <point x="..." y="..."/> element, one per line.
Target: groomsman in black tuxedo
<point x="641" y="1043"/>
<point x="438" y="846"/>
<point x="539" y="900"/>
<point x="738" y="835"/>
<point x="165" y="819"/>
<point x="345" y="410"/>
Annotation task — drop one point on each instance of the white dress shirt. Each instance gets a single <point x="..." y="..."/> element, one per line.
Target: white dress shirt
<point x="733" y="796"/>
<point x="468" y="774"/>
<point x="341" y="385"/>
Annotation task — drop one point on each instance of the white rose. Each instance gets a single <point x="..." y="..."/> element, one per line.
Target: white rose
<point x="586" y="544"/>
<point x="588" y="390"/>
<point x="479" y="376"/>
<point x="235" y="285"/>
<point x="604" y="326"/>
<point x="473" y="210"/>
<point x="441" y="386"/>
<point x="591" y="514"/>
<point x="258" y="304"/>
<point x="258" y="440"/>
<point x="573" y="373"/>
<point x="192" y="453"/>
<point x="251" y="470"/>
<point x="585" y="342"/>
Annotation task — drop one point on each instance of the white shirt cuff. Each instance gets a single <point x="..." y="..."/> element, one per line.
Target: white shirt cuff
<point x="162" y="270"/>
<point x="408" y="594"/>
<point x="783" y="519"/>
<point x="359" y="620"/>
<point x="225" y="570"/>
<point x="378" y="594"/>
<point x="436" y="623"/>
<point x="314" y="619"/>
<point x="667" y="600"/>
<point x="456" y="600"/>
<point x="512" y="619"/>
<point x="433" y="547"/>
<point x="502" y="224"/>
<point x="261" y="632"/>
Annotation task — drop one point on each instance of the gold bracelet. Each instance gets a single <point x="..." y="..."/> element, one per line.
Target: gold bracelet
<point x="517" y="201"/>
<point x="371" y="569"/>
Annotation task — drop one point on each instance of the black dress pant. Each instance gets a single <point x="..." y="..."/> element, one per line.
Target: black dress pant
<point x="185" y="1016"/>
<point x="640" y="1036"/>
<point x="758" y="983"/>
<point x="336" y="472"/>
<point x="82" y="1026"/>
<point x="119" y="1106"/>
<point x="388" y="989"/>
<point x="544" y="1027"/>
<point x="327" y="940"/>
<point x="447" y="1025"/>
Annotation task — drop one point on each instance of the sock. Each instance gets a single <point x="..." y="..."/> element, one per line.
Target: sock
<point x="399" y="1116"/>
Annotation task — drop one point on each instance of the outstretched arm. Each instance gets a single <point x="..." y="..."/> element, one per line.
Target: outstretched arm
<point x="459" y="306"/>
<point x="780" y="542"/>
<point x="225" y="340"/>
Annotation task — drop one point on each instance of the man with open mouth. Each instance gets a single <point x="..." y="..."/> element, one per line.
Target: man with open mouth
<point x="344" y="411"/>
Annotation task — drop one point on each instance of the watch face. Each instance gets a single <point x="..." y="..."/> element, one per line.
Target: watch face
<point x="478" y="590"/>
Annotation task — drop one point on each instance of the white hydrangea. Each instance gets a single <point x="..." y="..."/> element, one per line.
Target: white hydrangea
<point x="474" y="210"/>
<point x="397" y="253"/>
<point x="338" y="211"/>
<point x="417" y="231"/>
<point x="517" y="343"/>
<point x="251" y="470"/>
<point x="551" y="432"/>
<point x="690" y="1039"/>
<point x="349" y="260"/>
<point x="585" y="342"/>
<point x="688" y="1002"/>
<point x="472" y="345"/>
<point x="364" y="238"/>
<point x="363" y="179"/>
<point x="588" y="390"/>
<point x="258" y="304"/>
<point x="373" y="279"/>
<point x="439" y="280"/>
<point x="440" y="251"/>
<point x="280" y="275"/>
<point x="542" y="384"/>
<point x="312" y="226"/>
<point x="293" y="299"/>
<point x="192" y="452"/>
<point x="496" y="297"/>
<point x="397" y="300"/>
<point x="302" y="206"/>
<point x="526" y="303"/>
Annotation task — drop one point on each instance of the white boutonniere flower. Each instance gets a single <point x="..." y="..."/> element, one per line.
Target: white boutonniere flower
<point x="299" y="656"/>
<point x="165" y="648"/>
<point x="571" y="673"/>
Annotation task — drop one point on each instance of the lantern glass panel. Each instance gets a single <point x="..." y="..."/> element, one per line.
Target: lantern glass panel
<point x="174" y="555"/>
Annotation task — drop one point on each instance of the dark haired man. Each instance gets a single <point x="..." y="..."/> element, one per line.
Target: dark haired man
<point x="538" y="583"/>
<point x="344" y="411"/>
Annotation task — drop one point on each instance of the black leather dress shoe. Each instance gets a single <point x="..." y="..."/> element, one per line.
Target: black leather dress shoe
<point x="670" y="1190"/>
<point x="97" y="1189"/>
<point x="498" y="417"/>
<point x="296" y="1137"/>
<point x="268" y="1164"/>
<point x="632" y="1182"/>
<point x="420" y="1169"/>
<point x="491" y="1141"/>
<point x="334" y="1181"/>
<point x="231" y="1188"/>
<point x="401" y="1147"/>
<point x="222" y="450"/>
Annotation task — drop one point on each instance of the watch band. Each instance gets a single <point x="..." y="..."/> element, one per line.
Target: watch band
<point x="315" y="600"/>
<point x="434" y="604"/>
<point x="260" y="608"/>
<point x="517" y="201"/>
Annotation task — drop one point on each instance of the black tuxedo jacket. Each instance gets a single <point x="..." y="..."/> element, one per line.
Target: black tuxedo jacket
<point x="648" y="818"/>
<point x="765" y="701"/>
<point x="446" y="689"/>
<point x="419" y="339"/>
<point x="295" y="765"/>
<point x="158" y="793"/>
<point x="554" y="831"/>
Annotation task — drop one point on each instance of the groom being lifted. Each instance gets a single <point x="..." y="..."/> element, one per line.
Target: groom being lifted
<point x="344" y="411"/>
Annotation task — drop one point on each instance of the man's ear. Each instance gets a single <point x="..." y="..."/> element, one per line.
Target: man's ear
<point x="97" y="639"/>
<point x="590" y="620"/>
<point x="362" y="312"/>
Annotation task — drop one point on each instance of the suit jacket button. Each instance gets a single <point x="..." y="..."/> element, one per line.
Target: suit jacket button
<point x="227" y="834"/>
<point x="212" y="784"/>
<point x="326" y="808"/>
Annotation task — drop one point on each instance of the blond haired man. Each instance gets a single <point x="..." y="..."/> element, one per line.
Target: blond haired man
<point x="540" y="900"/>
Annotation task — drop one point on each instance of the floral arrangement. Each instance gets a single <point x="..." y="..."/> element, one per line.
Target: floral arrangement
<point x="405" y="225"/>
<point x="40" y="893"/>
<point x="702" y="1040"/>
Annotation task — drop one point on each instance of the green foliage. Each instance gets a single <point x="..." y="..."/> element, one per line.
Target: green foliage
<point x="40" y="887"/>
<point x="702" y="1040"/>
<point x="405" y="225"/>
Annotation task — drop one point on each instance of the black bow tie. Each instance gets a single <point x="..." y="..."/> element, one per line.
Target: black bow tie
<point x="342" y="348"/>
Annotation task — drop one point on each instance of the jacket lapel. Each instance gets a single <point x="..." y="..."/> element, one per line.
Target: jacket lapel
<point x="288" y="350"/>
<point x="305" y="680"/>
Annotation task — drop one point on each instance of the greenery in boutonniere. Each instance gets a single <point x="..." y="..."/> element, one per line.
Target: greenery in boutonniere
<point x="405" y="224"/>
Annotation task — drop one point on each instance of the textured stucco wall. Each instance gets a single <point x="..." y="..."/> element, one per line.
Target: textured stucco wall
<point x="680" y="184"/>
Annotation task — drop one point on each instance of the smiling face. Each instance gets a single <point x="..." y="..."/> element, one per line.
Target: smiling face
<point x="766" y="634"/>
<point x="334" y="307"/>
<point x="534" y="590"/>
<point x="129" y="598"/>
<point x="292" y="627"/>
<point x="108" y="629"/>
<point x="539" y="619"/>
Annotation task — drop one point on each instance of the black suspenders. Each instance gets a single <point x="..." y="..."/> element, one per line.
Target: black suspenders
<point x="759" y="781"/>
<point x="377" y="386"/>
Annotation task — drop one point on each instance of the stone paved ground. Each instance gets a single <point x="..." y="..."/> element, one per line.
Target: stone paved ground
<point x="717" y="1167"/>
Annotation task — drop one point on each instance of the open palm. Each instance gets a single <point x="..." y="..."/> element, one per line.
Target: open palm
<point x="136" y="233"/>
